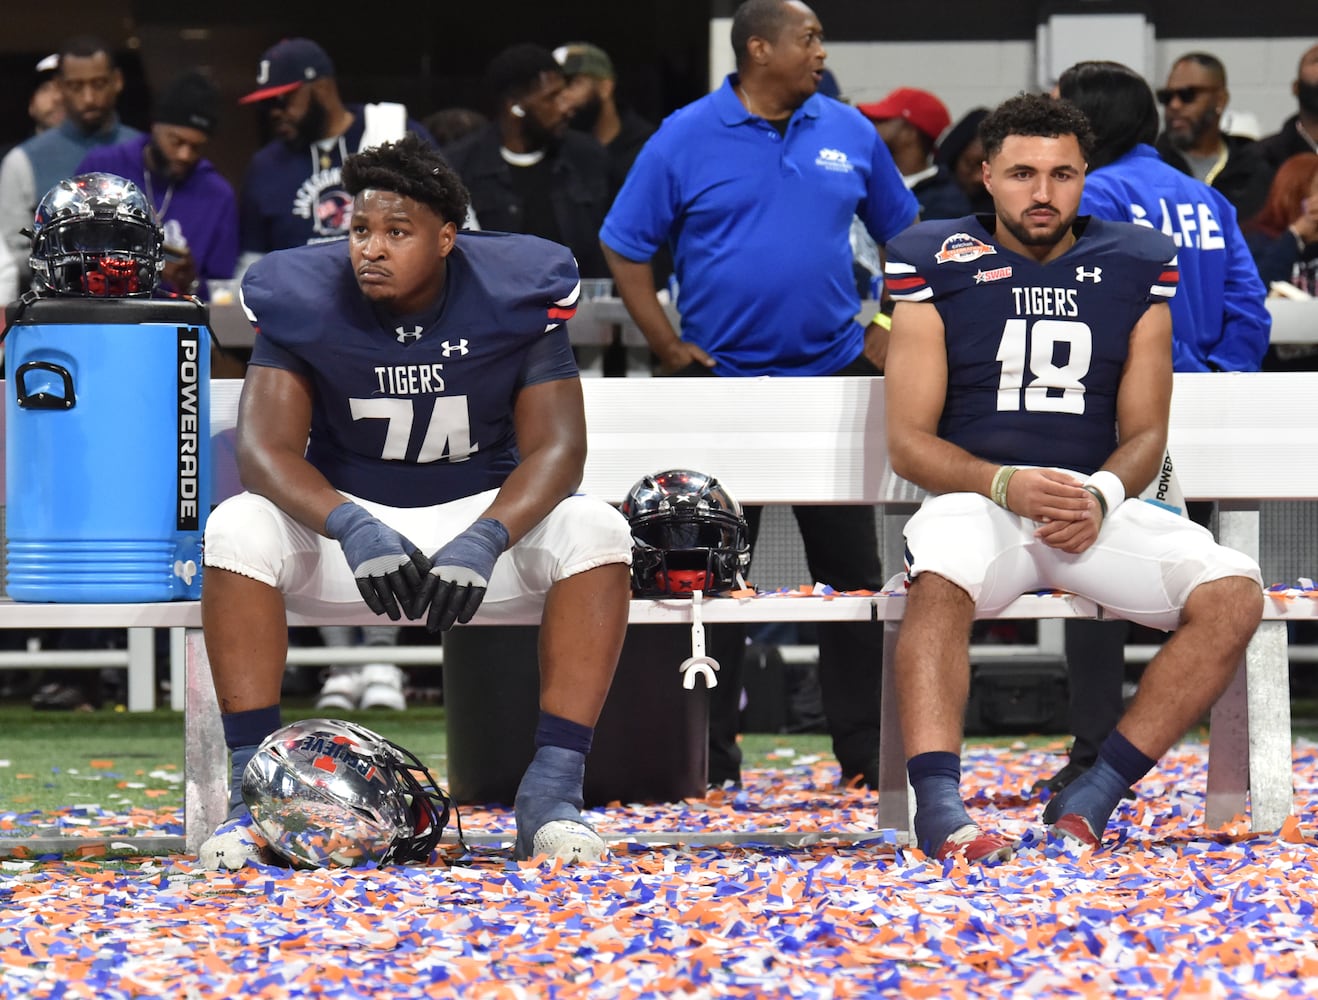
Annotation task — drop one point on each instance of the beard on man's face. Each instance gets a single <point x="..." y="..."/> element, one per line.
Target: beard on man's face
<point x="1037" y="237"/>
<point x="312" y="126"/>
<point x="585" y="117"/>
<point x="1307" y="95"/>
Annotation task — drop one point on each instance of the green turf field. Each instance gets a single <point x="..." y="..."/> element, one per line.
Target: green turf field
<point x="50" y="760"/>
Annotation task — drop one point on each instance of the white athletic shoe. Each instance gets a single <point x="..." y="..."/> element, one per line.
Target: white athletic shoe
<point x="382" y="687"/>
<point x="343" y="688"/>
<point x="569" y="842"/>
<point x="233" y="844"/>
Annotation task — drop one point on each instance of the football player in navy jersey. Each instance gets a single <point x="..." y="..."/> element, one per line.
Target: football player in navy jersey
<point x="411" y="435"/>
<point x="1030" y="377"/>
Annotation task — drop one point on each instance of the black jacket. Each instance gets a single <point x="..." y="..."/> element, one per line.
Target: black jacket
<point x="1243" y="180"/>
<point x="940" y="197"/>
<point x="580" y="190"/>
<point x="1276" y="149"/>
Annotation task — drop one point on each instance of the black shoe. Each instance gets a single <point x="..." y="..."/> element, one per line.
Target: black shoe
<point x="1062" y="778"/>
<point x="1068" y="774"/>
<point x="57" y="697"/>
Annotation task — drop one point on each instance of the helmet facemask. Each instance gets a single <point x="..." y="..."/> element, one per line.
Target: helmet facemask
<point x="688" y="534"/>
<point x="96" y="236"/>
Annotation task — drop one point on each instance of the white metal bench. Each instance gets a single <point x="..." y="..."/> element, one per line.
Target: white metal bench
<point x="784" y="441"/>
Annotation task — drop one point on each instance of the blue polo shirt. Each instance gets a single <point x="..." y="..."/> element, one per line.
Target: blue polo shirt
<point x="758" y="227"/>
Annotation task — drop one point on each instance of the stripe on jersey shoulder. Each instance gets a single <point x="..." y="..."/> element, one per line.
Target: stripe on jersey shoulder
<point x="897" y="267"/>
<point x="915" y="295"/>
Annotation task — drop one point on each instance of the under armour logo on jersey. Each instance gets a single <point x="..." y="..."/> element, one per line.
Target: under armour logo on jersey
<point x="404" y="334"/>
<point x="1093" y="274"/>
<point x="450" y="349"/>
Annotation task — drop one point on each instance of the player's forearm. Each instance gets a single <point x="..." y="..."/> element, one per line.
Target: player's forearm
<point x="541" y="481"/>
<point x="937" y="465"/>
<point x="291" y="483"/>
<point x="1138" y="459"/>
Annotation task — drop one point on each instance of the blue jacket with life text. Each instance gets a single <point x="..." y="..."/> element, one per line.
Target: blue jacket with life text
<point x="1219" y="321"/>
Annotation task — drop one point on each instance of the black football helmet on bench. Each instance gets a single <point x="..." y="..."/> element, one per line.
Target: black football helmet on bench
<point x="688" y="533"/>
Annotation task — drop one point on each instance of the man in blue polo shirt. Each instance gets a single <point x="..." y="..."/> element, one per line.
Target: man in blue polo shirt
<point x="754" y="188"/>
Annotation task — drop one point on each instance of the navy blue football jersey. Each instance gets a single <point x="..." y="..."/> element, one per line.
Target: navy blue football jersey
<point x="1034" y="351"/>
<point x="414" y="411"/>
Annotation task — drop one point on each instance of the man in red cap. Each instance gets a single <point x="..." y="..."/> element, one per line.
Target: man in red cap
<point x="910" y="122"/>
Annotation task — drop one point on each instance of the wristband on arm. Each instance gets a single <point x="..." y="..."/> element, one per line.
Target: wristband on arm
<point x="1107" y="489"/>
<point x="1001" y="479"/>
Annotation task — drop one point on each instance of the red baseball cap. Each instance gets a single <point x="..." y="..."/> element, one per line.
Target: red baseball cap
<point x="919" y="107"/>
<point x="286" y="66"/>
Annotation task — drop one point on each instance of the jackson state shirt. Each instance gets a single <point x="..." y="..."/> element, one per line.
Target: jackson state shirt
<point x="417" y="410"/>
<point x="1034" y="351"/>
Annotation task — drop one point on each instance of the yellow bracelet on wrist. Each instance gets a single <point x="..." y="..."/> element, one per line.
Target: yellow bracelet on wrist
<point x="1001" y="479"/>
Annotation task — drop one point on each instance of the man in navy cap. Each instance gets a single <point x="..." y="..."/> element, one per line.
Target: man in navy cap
<point x="292" y="193"/>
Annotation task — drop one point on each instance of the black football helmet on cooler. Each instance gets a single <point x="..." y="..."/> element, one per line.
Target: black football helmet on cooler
<point x="96" y="235"/>
<point x="327" y="793"/>
<point x="688" y="533"/>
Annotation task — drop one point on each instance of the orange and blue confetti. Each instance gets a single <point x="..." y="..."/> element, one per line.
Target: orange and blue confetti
<point x="1165" y="908"/>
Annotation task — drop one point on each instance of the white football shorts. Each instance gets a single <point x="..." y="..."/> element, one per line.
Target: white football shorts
<point x="248" y="534"/>
<point x="1143" y="566"/>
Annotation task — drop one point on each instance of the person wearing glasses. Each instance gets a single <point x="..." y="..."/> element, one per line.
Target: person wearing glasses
<point x="1193" y="142"/>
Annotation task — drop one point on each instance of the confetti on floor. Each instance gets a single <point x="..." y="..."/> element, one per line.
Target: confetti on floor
<point x="1166" y="908"/>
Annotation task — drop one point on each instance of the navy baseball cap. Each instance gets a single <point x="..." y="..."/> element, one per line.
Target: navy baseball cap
<point x="286" y="66"/>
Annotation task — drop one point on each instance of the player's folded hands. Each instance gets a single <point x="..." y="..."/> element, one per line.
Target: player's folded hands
<point x="389" y="568"/>
<point x="1047" y="495"/>
<point x="459" y="574"/>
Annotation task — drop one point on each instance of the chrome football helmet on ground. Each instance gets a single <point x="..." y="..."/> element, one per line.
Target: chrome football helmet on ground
<point x="96" y="235"/>
<point x="688" y="533"/>
<point x="327" y="793"/>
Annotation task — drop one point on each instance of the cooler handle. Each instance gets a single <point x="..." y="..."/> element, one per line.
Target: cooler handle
<point x="43" y="400"/>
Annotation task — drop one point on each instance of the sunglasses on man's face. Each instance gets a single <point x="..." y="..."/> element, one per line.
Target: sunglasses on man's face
<point x="1186" y="95"/>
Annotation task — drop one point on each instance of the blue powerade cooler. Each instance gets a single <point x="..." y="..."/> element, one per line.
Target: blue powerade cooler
<point x="107" y="450"/>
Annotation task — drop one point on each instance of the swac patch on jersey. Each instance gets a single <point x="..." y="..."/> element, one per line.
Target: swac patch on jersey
<point x="993" y="274"/>
<point x="962" y="248"/>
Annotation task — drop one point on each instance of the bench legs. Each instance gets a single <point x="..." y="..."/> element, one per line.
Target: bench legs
<point x="205" y="759"/>
<point x="1250" y="738"/>
<point x="896" y="811"/>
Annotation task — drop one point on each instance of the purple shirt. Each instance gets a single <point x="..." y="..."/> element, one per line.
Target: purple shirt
<point x="199" y="212"/>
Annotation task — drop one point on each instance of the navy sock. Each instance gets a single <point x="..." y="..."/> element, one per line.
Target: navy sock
<point x="1125" y="758"/>
<point x="1096" y="793"/>
<point x="550" y="790"/>
<point x="243" y="733"/>
<point x="251" y="727"/>
<point x="555" y="731"/>
<point x="939" y="810"/>
<point x="238" y="758"/>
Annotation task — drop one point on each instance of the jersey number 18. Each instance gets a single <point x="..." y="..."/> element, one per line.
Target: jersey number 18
<point x="1052" y="388"/>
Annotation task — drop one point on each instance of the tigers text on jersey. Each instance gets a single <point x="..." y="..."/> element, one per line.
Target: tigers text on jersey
<point x="420" y="413"/>
<point x="1034" y="351"/>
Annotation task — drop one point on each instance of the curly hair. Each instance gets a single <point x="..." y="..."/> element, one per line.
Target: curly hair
<point x="1033" y="114"/>
<point x="412" y="169"/>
